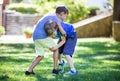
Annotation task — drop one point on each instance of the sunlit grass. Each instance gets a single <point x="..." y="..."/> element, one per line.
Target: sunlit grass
<point x="95" y="61"/>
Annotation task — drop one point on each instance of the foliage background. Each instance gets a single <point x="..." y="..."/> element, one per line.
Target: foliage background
<point x="77" y="8"/>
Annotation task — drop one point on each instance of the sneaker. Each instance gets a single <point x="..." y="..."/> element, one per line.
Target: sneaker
<point x="61" y="66"/>
<point x="29" y="73"/>
<point x="71" y="73"/>
<point x="55" y="71"/>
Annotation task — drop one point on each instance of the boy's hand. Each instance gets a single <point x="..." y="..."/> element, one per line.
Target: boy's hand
<point x="63" y="37"/>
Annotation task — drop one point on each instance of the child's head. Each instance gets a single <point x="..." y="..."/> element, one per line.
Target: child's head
<point x="50" y="28"/>
<point x="62" y="12"/>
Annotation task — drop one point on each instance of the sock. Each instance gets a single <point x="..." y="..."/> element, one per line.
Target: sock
<point x="61" y="62"/>
<point x="73" y="69"/>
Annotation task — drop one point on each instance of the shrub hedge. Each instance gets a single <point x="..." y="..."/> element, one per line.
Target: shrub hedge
<point x="23" y="8"/>
<point x="77" y="9"/>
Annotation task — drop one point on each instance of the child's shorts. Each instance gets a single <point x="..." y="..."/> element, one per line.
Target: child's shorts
<point x="69" y="46"/>
<point x="41" y="44"/>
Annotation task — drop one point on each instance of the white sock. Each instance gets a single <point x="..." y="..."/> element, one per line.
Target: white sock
<point x="61" y="61"/>
<point x="73" y="69"/>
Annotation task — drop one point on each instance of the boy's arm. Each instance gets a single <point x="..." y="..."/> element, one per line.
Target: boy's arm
<point x="63" y="40"/>
<point x="61" y="29"/>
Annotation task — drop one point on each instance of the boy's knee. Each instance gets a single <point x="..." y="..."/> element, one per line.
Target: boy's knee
<point x="40" y="57"/>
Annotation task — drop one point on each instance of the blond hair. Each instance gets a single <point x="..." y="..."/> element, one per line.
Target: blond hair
<point x="50" y="27"/>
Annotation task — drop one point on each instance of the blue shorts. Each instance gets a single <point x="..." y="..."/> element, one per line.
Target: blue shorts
<point x="69" y="46"/>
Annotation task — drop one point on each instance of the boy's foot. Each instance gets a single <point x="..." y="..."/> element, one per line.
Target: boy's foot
<point x="71" y="73"/>
<point x="61" y="66"/>
<point x="55" y="71"/>
<point x="29" y="73"/>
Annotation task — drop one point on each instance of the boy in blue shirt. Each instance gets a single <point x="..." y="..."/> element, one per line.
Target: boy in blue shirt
<point x="68" y="47"/>
<point x="40" y="35"/>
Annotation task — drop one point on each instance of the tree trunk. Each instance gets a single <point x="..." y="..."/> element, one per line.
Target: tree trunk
<point x="116" y="21"/>
<point x="116" y="10"/>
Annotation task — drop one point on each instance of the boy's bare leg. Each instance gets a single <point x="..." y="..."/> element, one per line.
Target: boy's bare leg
<point x="70" y="62"/>
<point x="35" y="62"/>
<point x="55" y="59"/>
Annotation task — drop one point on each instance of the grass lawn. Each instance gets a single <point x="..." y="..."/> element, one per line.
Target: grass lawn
<point x="95" y="61"/>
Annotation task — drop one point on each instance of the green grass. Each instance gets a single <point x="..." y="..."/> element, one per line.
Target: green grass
<point x="95" y="61"/>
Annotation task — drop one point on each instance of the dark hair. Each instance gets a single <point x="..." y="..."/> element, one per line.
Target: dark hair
<point x="50" y="27"/>
<point x="60" y="9"/>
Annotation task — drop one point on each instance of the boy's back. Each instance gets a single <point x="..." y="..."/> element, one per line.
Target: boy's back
<point x="39" y="32"/>
<point x="68" y="28"/>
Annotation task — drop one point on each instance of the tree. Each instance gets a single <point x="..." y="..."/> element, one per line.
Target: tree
<point x="116" y="20"/>
<point x="116" y="10"/>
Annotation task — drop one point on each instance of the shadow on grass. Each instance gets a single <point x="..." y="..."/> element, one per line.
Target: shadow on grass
<point x="13" y="59"/>
<point x="100" y="75"/>
<point x="16" y="48"/>
<point x="4" y="77"/>
<point x="40" y="78"/>
<point x="99" y="49"/>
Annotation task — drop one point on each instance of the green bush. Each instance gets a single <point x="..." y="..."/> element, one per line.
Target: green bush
<point x="93" y="10"/>
<point x="48" y="7"/>
<point x="77" y="9"/>
<point x="23" y="8"/>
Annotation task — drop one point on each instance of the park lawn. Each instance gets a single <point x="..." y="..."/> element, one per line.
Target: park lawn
<point x="95" y="61"/>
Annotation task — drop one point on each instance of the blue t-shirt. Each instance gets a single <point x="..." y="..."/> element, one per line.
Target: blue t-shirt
<point x="39" y="32"/>
<point x="68" y="28"/>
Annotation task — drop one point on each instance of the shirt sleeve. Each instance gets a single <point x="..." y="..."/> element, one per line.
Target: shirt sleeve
<point x="55" y="18"/>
